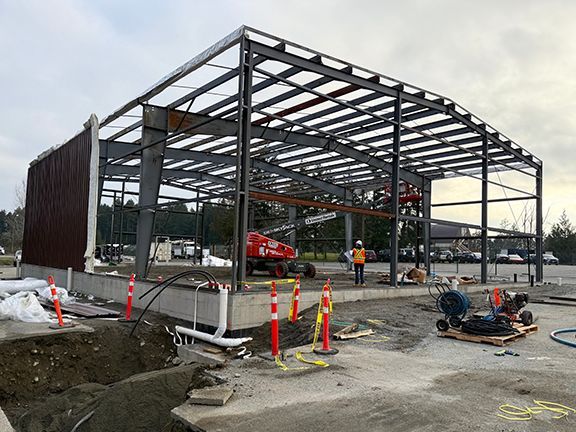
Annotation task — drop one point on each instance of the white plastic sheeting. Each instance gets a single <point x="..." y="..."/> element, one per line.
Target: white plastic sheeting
<point x="62" y="294"/>
<point x="23" y="306"/>
<point x="28" y="284"/>
<point x="212" y="261"/>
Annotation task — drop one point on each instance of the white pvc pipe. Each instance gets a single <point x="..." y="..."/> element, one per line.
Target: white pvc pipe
<point x="216" y="338"/>
<point x="225" y="342"/>
<point x="222" y="314"/>
<point x="69" y="280"/>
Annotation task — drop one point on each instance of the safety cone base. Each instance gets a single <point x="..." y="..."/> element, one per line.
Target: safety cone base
<point x="57" y="326"/>
<point x="124" y="320"/>
<point x="330" y="351"/>
<point x="268" y="356"/>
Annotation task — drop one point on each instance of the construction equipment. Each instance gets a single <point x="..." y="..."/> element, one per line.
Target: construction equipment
<point x="278" y="259"/>
<point x="507" y="306"/>
<point x="453" y="304"/>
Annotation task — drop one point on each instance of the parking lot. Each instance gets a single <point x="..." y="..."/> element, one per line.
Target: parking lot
<point x="551" y="272"/>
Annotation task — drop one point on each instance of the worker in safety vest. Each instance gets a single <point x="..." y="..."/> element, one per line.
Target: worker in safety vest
<point x="359" y="256"/>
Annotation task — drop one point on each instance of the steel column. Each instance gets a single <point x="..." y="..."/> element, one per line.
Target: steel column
<point x="155" y="124"/>
<point x="348" y="225"/>
<point x="243" y="163"/>
<point x="427" y="214"/>
<point x="484" y="210"/>
<point x="394" y="199"/>
<point x="539" y="229"/>
<point x="292" y="213"/>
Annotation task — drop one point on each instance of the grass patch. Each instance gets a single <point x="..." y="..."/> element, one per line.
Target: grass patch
<point x="309" y="256"/>
<point x="5" y="260"/>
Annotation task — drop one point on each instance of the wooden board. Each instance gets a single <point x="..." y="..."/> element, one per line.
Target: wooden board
<point x="355" y="335"/>
<point x="493" y="340"/>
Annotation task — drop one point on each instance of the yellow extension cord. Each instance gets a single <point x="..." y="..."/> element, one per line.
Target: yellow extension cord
<point x="527" y="413"/>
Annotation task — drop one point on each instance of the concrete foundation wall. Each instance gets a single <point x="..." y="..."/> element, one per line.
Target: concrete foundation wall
<point x="177" y="302"/>
<point x="245" y="310"/>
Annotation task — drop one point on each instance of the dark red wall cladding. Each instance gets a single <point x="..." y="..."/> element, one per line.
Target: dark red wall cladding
<point x="57" y="206"/>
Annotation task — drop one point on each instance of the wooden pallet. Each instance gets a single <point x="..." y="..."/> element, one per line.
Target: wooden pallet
<point x="493" y="340"/>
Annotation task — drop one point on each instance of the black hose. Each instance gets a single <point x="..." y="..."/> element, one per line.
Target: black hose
<point x="478" y="326"/>
<point x="440" y="289"/>
<point x="165" y="284"/>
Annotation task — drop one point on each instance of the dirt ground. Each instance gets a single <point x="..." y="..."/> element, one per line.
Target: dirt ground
<point x="414" y="381"/>
<point x="403" y="378"/>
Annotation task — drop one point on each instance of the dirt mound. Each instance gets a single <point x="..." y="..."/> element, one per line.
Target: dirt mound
<point x="291" y="335"/>
<point x="35" y="368"/>
<point x="142" y="402"/>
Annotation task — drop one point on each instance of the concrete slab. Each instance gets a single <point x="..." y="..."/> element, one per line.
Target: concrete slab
<point x="5" y="425"/>
<point x="196" y="354"/>
<point x="190" y="415"/>
<point x="13" y="330"/>
<point x="214" y="396"/>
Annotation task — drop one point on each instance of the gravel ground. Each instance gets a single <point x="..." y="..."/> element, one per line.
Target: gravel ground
<point x="404" y="378"/>
<point x="413" y="382"/>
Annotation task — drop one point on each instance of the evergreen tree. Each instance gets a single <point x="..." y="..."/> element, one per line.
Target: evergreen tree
<point x="562" y="240"/>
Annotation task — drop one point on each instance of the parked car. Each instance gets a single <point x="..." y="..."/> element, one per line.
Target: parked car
<point x="384" y="255"/>
<point x="2" y="251"/>
<point x="371" y="256"/>
<point x="550" y="259"/>
<point x="469" y="257"/>
<point x="546" y="259"/>
<point x="442" y="256"/>
<point x="17" y="257"/>
<point x="515" y="259"/>
<point x="501" y="259"/>
<point x="406" y="255"/>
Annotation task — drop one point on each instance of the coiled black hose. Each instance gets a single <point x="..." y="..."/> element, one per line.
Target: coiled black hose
<point x="478" y="326"/>
<point x="166" y="283"/>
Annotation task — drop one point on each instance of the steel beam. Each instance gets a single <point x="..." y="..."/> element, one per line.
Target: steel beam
<point x="193" y="64"/>
<point x="465" y="119"/>
<point x="155" y="121"/>
<point x="476" y="202"/>
<point x="213" y="126"/>
<point x="319" y="204"/>
<point x="218" y="158"/>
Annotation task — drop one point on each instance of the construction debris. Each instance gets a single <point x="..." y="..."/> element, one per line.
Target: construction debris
<point x="215" y="396"/>
<point x="355" y="335"/>
<point x="348" y="329"/>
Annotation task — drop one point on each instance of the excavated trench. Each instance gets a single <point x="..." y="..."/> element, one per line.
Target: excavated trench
<point x="51" y="383"/>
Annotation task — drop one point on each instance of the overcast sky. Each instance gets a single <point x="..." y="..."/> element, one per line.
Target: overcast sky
<point x="512" y="63"/>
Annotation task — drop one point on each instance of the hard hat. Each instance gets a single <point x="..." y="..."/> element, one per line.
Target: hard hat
<point x="359" y="243"/>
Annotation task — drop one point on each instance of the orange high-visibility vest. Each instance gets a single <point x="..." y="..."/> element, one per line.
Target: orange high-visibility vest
<point x="359" y="255"/>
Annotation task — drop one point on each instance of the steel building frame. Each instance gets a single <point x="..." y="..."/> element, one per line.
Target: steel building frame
<point x="285" y="120"/>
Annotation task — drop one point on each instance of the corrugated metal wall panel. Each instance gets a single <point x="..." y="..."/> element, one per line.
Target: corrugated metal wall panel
<point x="55" y="228"/>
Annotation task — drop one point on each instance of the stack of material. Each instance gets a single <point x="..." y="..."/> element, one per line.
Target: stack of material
<point x="417" y="275"/>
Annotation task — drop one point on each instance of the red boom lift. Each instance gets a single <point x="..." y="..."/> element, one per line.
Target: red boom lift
<point x="266" y="254"/>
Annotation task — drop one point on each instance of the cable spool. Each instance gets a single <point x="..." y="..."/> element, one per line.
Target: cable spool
<point x="453" y="303"/>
